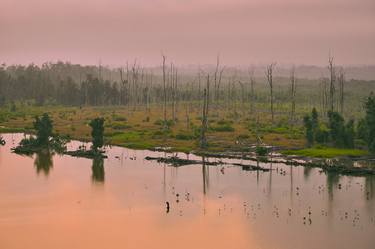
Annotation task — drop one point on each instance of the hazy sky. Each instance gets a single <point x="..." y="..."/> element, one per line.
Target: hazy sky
<point x="187" y="31"/>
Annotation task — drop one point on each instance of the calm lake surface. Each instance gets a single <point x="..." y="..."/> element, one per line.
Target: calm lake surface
<point x="54" y="201"/>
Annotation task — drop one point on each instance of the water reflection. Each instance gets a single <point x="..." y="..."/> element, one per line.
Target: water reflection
<point x="332" y="181"/>
<point x="205" y="174"/>
<point x="97" y="169"/>
<point x="370" y="187"/>
<point x="307" y="172"/>
<point x="43" y="161"/>
<point x="232" y="208"/>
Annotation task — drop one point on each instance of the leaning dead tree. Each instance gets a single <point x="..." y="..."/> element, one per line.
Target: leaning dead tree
<point x="341" y="81"/>
<point x="292" y="94"/>
<point x="269" y="75"/>
<point x="332" y="74"/>
<point x="206" y="100"/>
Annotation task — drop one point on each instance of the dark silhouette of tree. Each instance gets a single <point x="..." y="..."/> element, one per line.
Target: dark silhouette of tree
<point x="43" y="127"/>
<point x="97" y="132"/>
<point x="97" y="168"/>
<point x="362" y="130"/>
<point x="314" y="121"/>
<point x="43" y="161"/>
<point x="349" y="134"/>
<point x="370" y="121"/>
<point x="309" y="130"/>
<point x="341" y="134"/>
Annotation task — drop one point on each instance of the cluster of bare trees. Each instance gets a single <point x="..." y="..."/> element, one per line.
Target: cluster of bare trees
<point x="137" y="87"/>
<point x="330" y="101"/>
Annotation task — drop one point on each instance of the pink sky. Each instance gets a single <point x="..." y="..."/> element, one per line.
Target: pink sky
<point x="187" y="31"/>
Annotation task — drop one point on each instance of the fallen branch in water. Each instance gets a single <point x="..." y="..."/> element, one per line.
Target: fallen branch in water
<point x="176" y="161"/>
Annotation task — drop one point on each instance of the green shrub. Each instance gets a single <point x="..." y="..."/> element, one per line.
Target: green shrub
<point x="120" y="126"/>
<point x="118" y="118"/>
<point x="261" y="151"/>
<point x="222" y="128"/>
<point x="182" y="136"/>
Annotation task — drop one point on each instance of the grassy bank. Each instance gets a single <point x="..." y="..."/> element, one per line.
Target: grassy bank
<point x="143" y="129"/>
<point x="326" y="152"/>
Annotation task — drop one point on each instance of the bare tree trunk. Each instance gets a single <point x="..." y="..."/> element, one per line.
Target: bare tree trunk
<point x="128" y="83"/>
<point x="175" y="95"/>
<point x="215" y="78"/>
<point x="173" y="91"/>
<point x="269" y="75"/>
<point x="243" y="92"/>
<point x="252" y="93"/>
<point x="331" y="68"/>
<point x="293" y="95"/>
<point x="325" y="96"/>
<point x="341" y="80"/>
<point x="219" y="83"/>
<point x="164" y="96"/>
<point x="206" y="99"/>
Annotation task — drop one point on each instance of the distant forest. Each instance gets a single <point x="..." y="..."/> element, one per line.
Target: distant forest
<point x="76" y="85"/>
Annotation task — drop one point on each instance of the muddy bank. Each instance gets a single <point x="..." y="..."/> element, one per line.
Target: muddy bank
<point x="360" y="166"/>
<point x="176" y="162"/>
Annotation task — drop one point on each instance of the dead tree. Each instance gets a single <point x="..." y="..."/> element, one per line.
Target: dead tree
<point x="164" y="96"/>
<point x="172" y="90"/>
<point x="122" y="87"/>
<point x="243" y="94"/>
<point x="292" y="94"/>
<point x="217" y="80"/>
<point x="252" y="93"/>
<point x="128" y="84"/>
<point x="331" y="68"/>
<point x="176" y="94"/>
<point x="206" y="100"/>
<point x="269" y="75"/>
<point x="341" y="81"/>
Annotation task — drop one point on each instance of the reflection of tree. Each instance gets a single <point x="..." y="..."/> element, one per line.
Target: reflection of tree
<point x="43" y="161"/>
<point x="370" y="187"/>
<point x="291" y="184"/>
<point x="205" y="175"/>
<point x="332" y="181"/>
<point x="370" y="192"/>
<point x="307" y="172"/>
<point x="97" y="169"/>
<point x="257" y="171"/>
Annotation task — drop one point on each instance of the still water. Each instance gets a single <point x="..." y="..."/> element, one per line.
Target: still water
<point x="54" y="201"/>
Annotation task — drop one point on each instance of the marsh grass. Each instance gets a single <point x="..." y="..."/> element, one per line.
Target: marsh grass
<point x="143" y="129"/>
<point x="326" y="152"/>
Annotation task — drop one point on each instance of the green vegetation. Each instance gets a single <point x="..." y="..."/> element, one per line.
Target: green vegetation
<point x="338" y="134"/>
<point x="97" y="126"/>
<point x="370" y="122"/>
<point x="326" y="152"/>
<point x="97" y="135"/>
<point x="44" y="139"/>
<point x="2" y="141"/>
<point x="43" y="129"/>
<point x="140" y="113"/>
<point x="261" y="151"/>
